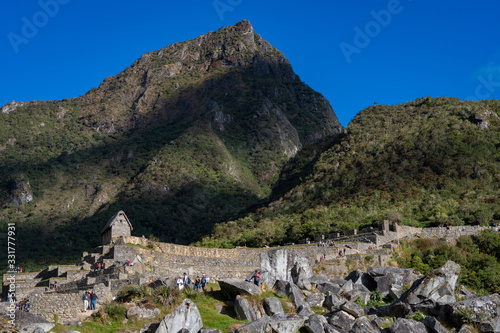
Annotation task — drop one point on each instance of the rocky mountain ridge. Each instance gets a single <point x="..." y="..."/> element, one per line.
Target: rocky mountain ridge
<point x="187" y="136"/>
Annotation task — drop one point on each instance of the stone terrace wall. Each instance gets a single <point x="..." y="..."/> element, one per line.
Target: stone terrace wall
<point x="45" y="305"/>
<point x="453" y="232"/>
<point x="68" y="306"/>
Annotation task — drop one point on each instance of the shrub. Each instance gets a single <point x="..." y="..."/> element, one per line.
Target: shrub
<point x="115" y="311"/>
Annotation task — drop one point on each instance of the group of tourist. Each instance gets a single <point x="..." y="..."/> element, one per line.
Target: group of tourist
<point x="16" y="270"/>
<point x="98" y="266"/>
<point x="326" y="244"/>
<point x="23" y="305"/>
<point x="89" y="300"/>
<point x="199" y="283"/>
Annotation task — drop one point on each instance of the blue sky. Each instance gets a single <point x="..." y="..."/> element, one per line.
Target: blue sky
<point x="355" y="52"/>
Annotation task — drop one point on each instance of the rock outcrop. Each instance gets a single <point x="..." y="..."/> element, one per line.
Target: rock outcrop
<point x="234" y="287"/>
<point x="185" y="317"/>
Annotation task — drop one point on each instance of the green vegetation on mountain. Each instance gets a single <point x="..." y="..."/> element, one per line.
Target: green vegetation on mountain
<point x="430" y="162"/>
<point x="187" y="137"/>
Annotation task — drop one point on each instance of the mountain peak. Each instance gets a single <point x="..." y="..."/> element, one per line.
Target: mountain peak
<point x="244" y="26"/>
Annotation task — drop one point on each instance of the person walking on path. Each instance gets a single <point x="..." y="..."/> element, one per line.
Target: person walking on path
<point x="93" y="299"/>
<point x="203" y="282"/>
<point x="185" y="280"/>
<point x="256" y="278"/>
<point x="180" y="284"/>
<point x="85" y="299"/>
<point x="197" y="283"/>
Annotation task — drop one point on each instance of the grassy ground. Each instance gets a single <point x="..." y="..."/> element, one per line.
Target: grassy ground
<point x="207" y="304"/>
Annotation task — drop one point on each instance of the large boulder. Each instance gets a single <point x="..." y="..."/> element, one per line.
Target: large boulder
<point x="300" y="277"/>
<point x="186" y="316"/>
<point x="295" y="294"/>
<point x="261" y="325"/>
<point x="387" y="278"/>
<point x="272" y="305"/>
<point x="243" y="310"/>
<point x="315" y="324"/>
<point x="234" y="287"/>
<point x="427" y="294"/>
<point x="342" y="320"/>
<point x="333" y="302"/>
<point x="434" y="325"/>
<point x="277" y="265"/>
<point x="361" y="278"/>
<point x="407" y="326"/>
<point x="328" y="287"/>
<point x="27" y="322"/>
<point x="480" y="311"/>
<point x="142" y="313"/>
<point x="363" y="325"/>
<point x="315" y="299"/>
<point x="353" y="309"/>
<point x="304" y="310"/>
<point x="286" y="323"/>
<point x="317" y="279"/>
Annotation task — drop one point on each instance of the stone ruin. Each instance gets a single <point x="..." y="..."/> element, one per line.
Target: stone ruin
<point x="153" y="262"/>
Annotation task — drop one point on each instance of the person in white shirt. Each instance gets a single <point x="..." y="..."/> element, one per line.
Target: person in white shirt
<point x="180" y="283"/>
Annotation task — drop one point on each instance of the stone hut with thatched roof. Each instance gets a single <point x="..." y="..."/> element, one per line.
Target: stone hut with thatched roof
<point x="118" y="225"/>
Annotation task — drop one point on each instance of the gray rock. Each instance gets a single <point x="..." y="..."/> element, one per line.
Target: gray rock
<point x="475" y="311"/>
<point x="395" y="309"/>
<point x="261" y="325"/>
<point x="330" y="329"/>
<point x="360" y="287"/>
<point x="348" y="286"/>
<point x="352" y="295"/>
<point x="328" y="287"/>
<point x="304" y="310"/>
<point x="353" y="309"/>
<point x="466" y="293"/>
<point x="234" y="287"/>
<point x="342" y="320"/>
<point x="185" y="316"/>
<point x="272" y="305"/>
<point x="317" y="279"/>
<point x="295" y="294"/>
<point x="364" y="297"/>
<point x="286" y="323"/>
<point x="243" y="310"/>
<point x="315" y="299"/>
<point x="340" y="282"/>
<point x="381" y="323"/>
<point x="436" y="286"/>
<point x="363" y="325"/>
<point x="210" y="330"/>
<point x="277" y="265"/>
<point x="466" y="329"/>
<point x="39" y="330"/>
<point x="434" y="325"/>
<point x="28" y="322"/>
<point x="333" y="301"/>
<point x="300" y="278"/>
<point x="280" y="287"/>
<point x="395" y="291"/>
<point x="142" y="313"/>
<point x="427" y="294"/>
<point x="315" y="324"/>
<point x="148" y="328"/>
<point x="359" y="278"/>
<point x="407" y="326"/>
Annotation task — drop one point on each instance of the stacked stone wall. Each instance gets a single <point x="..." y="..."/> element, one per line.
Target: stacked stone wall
<point x="452" y="232"/>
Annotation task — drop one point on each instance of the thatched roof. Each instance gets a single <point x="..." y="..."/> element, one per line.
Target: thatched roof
<point x="113" y="219"/>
